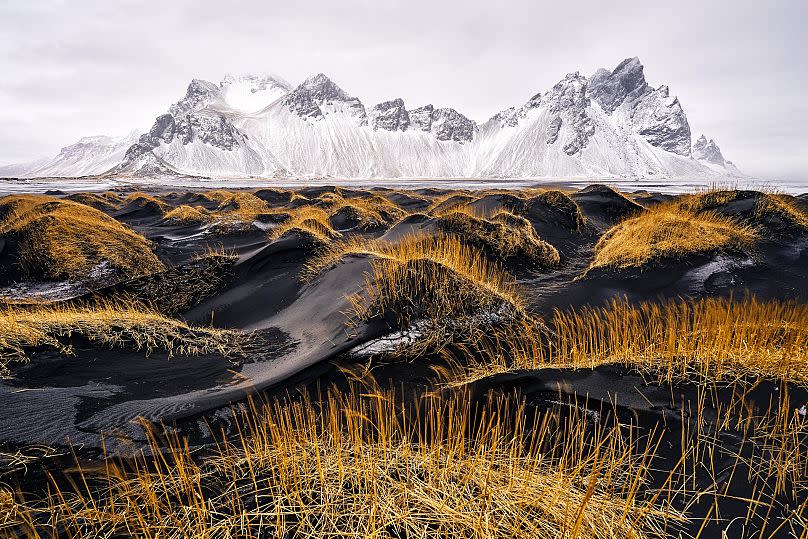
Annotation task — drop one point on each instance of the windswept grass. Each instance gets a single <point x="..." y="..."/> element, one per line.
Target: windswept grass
<point x="109" y="324"/>
<point x="309" y="220"/>
<point x="504" y="236"/>
<point x="705" y="339"/>
<point x="666" y="232"/>
<point x="56" y="239"/>
<point x="361" y="466"/>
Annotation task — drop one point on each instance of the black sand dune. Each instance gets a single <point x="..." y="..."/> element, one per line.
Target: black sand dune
<point x="304" y="323"/>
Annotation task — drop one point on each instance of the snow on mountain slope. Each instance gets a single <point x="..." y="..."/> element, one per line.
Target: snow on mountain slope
<point x="88" y="156"/>
<point x="250" y="93"/>
<point x="612" y="124"/>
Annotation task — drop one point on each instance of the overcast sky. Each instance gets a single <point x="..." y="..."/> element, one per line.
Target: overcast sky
<point x="77" y="67"/>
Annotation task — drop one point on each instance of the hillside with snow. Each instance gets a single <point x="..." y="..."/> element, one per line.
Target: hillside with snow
<point x="611" y="124"/>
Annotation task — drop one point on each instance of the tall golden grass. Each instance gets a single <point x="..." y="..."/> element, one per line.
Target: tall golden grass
<point x="704" y="339"/>
<point x="110" y="324"/>
<point x="63" y="239"/>
<point x="359" y="465"/>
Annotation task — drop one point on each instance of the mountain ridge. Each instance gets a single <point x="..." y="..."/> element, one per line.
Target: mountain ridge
<point x="611" y="124"/>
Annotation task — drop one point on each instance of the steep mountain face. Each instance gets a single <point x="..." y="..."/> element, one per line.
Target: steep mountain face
<point x="610" y="124"/>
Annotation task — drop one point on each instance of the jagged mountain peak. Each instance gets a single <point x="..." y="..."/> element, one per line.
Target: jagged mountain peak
<point x="308" y="99"/>
<point x="389" y="115"/>
<point x="200" y="94"/>
<point x="625" y="83"/>
<point x="708" y="150"/>
<point x="611" y="124"/>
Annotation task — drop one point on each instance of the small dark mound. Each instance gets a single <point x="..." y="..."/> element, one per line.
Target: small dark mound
<point x="407" y="201"/>
<point x="453" y="201"/>
<point x="604" y="207"/>
<point x="489" y="204"/>
<point x="274" y="197"/>
<point x="177" y="289"/>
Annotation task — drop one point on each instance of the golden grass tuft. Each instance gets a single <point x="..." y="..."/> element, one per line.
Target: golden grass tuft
<point x="188" y="214"/>
<point x="668" y="232"/>
<point x="705" y="339"/>
<point x="310" y="220"/>
<point x="109" y="324"/>
<point x="503" y="236"/>
<point x="357" y="466"/>
<point x="437" y="282"/>
<point x="59" y="239"/>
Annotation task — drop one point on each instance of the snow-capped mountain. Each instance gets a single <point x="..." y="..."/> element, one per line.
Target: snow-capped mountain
<point x="708" y="153"/>
<point x="89" y="156"/>
<point x="610" y="124"/>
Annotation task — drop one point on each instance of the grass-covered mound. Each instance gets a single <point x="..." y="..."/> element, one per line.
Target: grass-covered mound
<point x="436" y="282"/>
<point x="506" y="237"/>
<point x="51" y="239"/>
<point x="228" y="210"/>
<point x="105" y="202"/>
<point x="366" y="212"/>
<point x="109" y="324"/>
<point x="669" y="232"/>
<point x="769" y="213"/>
<point x="310" y="221"/>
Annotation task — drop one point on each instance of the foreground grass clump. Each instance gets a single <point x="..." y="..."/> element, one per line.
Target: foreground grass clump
<point x="668" y="232"/>
<point x="362" y="466"/>
<point x="122" y="325"/>
<point x="705" y="339"/>
<point x="505" y="236"/>
<point x="56" y="239"/>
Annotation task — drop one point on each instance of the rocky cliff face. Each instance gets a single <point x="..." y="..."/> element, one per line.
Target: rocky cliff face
<point x="390" y="116"/>
<point x="707" y="150"/>
<point x="655" y="115"/>
<point x="317" y="94"/>
<point x="568" y="103"/>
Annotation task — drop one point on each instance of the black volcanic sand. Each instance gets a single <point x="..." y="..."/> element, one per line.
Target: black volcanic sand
<point x="301" y="326"/>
